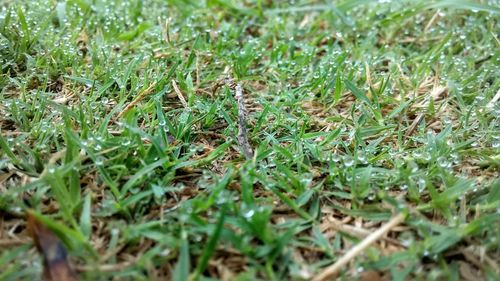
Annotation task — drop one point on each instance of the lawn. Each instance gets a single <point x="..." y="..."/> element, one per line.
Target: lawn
<point x="250" y="140"/>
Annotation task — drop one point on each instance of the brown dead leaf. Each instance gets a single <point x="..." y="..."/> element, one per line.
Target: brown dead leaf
<point x="55" y="263"/>
<point x="467" y="272"/>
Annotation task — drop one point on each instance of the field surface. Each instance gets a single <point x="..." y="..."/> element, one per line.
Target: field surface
<point x="250" y="140"/>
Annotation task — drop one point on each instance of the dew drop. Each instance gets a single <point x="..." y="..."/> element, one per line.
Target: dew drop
<point x="348" y="161"/>
<point x="99" y="161"/>
<point x="443" y="162"/>
<point x="336" y="158"/>
<point x="249" y="214"/>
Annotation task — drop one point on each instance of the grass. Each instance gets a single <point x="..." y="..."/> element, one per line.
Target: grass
<point x="142" y="181"/>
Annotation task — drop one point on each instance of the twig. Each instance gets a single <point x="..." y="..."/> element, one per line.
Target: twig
<point x="335" y="268"/>
<point x="137" y="99"/>
<point x="242" y="116"/>
<point x="179" y="94"/>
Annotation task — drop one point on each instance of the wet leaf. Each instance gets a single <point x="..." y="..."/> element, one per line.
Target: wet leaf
<point x="55" y="263"/>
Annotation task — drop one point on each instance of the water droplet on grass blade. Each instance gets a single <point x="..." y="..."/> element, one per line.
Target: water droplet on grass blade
<point x="249" y="214"/>
<point x="99" y="161"/>
<point x="495" y="144"/>
<point x="348" y="161"/>
<point x="421" y="185"/>
<point x="362" y="158"/>
<point x="443" y="162"/>
<point x="336" y="158"/>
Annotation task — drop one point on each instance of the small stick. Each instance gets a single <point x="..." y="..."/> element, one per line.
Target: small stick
<point x="242" y="115"/>
<point x="138" y="99"/>
<point x="332" y="270"/>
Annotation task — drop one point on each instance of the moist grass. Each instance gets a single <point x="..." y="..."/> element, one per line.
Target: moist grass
<point x="119" y="129"/>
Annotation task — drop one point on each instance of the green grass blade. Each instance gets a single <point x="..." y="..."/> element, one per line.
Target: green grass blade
<point x="210" y="246"/>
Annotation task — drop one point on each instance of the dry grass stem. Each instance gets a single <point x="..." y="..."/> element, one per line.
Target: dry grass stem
<point x="140" y="97"/>
<point x="494" y="100"/>
<point x="332" y="270"/>
<point x="179" y="94"/>
<point x="355" y="231"/>
<point x="435" y="94"/>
